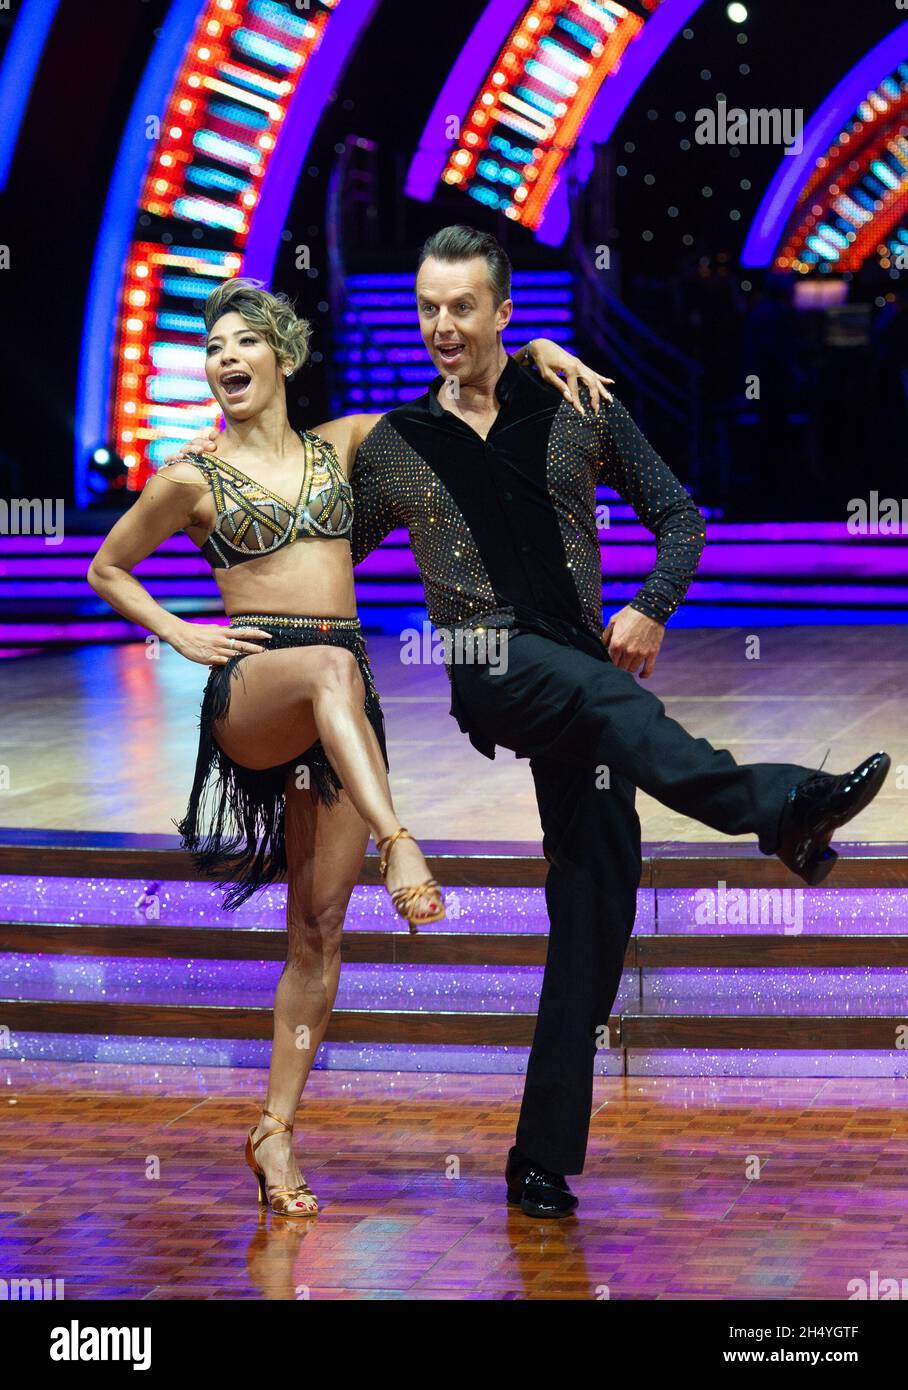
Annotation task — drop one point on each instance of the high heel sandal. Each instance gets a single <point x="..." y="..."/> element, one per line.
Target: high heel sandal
<point x="405" y="899"/>
<point x="280" y="1199"/>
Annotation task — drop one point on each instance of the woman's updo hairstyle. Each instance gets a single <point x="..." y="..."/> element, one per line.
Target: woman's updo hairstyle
<point x="272" y="315"/>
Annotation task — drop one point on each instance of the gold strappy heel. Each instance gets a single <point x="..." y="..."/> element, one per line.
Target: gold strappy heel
<point x="405" y="899"/>
<point x="281" y="1200"/>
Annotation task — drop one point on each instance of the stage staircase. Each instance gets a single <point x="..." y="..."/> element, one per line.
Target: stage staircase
<point x="114" y="949"/>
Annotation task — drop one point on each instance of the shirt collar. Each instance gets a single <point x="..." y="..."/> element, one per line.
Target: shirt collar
<point x="505" y="387"/>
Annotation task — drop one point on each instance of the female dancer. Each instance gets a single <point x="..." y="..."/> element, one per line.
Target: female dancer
<point x="292" y="766"/>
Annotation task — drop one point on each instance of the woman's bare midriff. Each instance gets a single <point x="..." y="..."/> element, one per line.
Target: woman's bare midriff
<point x="312" y="576"/>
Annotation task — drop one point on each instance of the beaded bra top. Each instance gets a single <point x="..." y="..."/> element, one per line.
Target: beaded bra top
<point x="252" y="520"/>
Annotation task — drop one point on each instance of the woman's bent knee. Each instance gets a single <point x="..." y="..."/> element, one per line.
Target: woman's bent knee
<point x="338" y="672"/>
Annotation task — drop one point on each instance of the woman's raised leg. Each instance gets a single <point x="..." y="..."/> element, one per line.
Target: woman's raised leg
<point x="282" y="701"/>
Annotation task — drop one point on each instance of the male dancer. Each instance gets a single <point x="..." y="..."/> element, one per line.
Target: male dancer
<point x="494" y="473"/>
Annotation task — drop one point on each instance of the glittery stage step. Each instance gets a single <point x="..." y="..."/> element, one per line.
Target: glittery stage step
<point x="109" y="953"/>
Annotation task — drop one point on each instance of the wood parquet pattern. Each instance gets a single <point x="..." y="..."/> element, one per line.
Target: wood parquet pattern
<point x="671" y="1203"/>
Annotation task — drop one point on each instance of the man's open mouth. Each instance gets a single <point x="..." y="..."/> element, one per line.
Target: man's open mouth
<point x="450" y="352"/>
<point x="234" y="384"/>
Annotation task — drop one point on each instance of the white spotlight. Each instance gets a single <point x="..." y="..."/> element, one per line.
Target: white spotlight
<point x="737" y="13"/>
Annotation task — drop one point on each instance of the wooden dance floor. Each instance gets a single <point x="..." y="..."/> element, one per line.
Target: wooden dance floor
<point x="129" y="1183"/>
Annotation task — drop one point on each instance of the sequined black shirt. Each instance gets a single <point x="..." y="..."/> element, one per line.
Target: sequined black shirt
<point x="509" y="523"/>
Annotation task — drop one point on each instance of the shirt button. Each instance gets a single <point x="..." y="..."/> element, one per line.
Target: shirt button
<point x="508" y="496"/>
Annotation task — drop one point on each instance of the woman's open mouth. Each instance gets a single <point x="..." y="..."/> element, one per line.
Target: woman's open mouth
<point x="235" y="384"/>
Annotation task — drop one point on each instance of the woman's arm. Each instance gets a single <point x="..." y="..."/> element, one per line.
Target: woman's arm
<point x="166" y="505"/>
<point x="552" y="362"/>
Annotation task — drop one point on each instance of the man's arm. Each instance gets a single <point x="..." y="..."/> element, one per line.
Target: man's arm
<point x="347" y="433"/>
<point x="631" y="466"/>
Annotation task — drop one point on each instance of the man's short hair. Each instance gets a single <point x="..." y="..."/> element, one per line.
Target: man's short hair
<point x="461" y="243"/>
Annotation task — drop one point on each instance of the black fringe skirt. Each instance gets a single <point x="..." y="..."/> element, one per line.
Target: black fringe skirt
<point x="234" y="826"/>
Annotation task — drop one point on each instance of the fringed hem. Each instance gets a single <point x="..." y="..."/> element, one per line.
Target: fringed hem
<point x="234" y="824"/>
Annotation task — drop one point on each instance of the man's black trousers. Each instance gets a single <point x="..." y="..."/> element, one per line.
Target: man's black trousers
<point x="593" y="735"/>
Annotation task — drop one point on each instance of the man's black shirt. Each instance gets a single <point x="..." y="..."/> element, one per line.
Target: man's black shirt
<point x="510" y="521"/>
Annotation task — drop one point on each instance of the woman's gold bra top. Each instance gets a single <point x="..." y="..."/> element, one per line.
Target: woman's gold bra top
<point x="252" y="520"/>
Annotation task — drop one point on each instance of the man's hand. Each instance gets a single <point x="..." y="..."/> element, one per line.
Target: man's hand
<point x="632" y="638"/>
<point x="553" y="363"/>
<point x="205" y="442"/>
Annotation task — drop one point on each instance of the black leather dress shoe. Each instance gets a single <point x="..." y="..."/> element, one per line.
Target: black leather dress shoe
<point x="535" y="1190"/>
<point x="817" y="807"/>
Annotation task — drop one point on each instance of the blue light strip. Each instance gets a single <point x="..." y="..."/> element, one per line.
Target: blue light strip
<point x="257" y="83"/>
<point x="178" y="388"/>
<point x="278" y="18"/>
<point x="239" y="115"/>
<point x="537" y="100"/>
<point x="216" y="178"/>
<point x="20" y="63"/>
<point x="210" y="213"/>
<point x="202" y="255"/>
<point x="275" y="55"/>
<point x="552" y="79"/>
<point x="115" y="236"/>
<point x="186" y="287"/>
<point x="170" y="322"/>
<point x="581" y="35"/>
<point x="227" y="151"/>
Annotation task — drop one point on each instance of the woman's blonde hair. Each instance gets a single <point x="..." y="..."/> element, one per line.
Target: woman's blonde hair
<point x="272" y="315"/>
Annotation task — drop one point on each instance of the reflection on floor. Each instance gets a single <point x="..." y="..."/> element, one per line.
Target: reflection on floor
<point x="129" y="1182"/>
